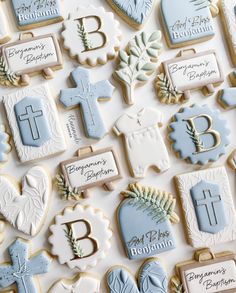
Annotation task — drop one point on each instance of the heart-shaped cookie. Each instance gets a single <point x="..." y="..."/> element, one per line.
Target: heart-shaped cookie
<point x="151" y="278"/>
<point x="25" y="210"/>
<point x="133" y="12"/>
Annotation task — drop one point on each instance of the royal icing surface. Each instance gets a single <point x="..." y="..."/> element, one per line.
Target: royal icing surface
<point x="86" y="96"/>
<point x="32" y="201"/>
<point x="138" y="62"/>
<point x="90" y="168"/>
<point x="187" y="21"/>
<point x="185" y="73"/>
<point x="27" y="56"/>
<point x="134" y="12"/>
<point x="4" y="31"/>
<point x="80" y="237"/>
<point x="34" y="122"/>
<point x="198" y="134"/>
<point x="151" y="278"/>
<point x="2" y="229"/>
<point x="144" y="144"/>
<point x="227" y="98"/>
<point x="229" y="19"/>
<point x="23" y="268"/>
<point x="82" y="283"/>
<point x="5" y="146"/>
<point x="151" y="231"/>
<point x="208" y="206"/>
<point x="91" y="35"/>
<point x="30" y="13"/>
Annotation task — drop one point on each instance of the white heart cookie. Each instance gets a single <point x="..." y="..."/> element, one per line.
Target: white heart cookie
<point x="26" y="209"/>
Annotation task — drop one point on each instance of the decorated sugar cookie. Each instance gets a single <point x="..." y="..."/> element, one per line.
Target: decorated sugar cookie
<point x="228" y="13"/>
<point x="91" y="35"/>
<point x="24" y="268"/>
<point x="80" y="237"/>
<point x="36" y="13"/>
<point x="187" y="72"/>
<point x="34" y="122"/>
<point x="137" y="63"/>
<point x="198" y="135"/>
<point x="5" y="146"/>
<point x="208" y="206"/>
<point x="144" y="145"/>
<point x="2" y="229"/>
<point x="144" y="218"/>
<point x="151" y="278"/>
<point x="81" y="283"/>
<point x="88" y="169"/>
<point x="86" y="96"/>
<point x="227" y="98"/>
<point x="187" y="22"/>
<point x="29" y="56"/>
<point x="32" y="200"/>
<point x="232" y="160"/>
<point x="4" y="30"/>
<point x="206" y="272"/>
<point x="133" y="12"/>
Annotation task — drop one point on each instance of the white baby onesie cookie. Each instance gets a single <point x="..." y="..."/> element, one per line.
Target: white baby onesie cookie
<point x="144" y="145"/>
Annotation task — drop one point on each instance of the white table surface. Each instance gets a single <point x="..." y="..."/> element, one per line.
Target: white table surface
<point x="111" y="110"/>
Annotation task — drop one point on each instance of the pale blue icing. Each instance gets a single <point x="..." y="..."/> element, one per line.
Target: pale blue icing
<point x="32" y="122"/>
<point x="35" y="11"/>
<point x="209" y="207"/>
<point x="187" y="20"/>
<point x="227" y="98"/>
<point x="22" y="268"/>
<point x="4" y="144"/>
<point x="185" y="141"/>
<point x="137" y="11"/>
<point x="86" y="95"/>
<point x="152" y="278"/>
<point x="138" y="223"/>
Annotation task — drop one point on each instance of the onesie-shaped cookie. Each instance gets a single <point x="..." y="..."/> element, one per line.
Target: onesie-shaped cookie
<point x="144" y="145"/>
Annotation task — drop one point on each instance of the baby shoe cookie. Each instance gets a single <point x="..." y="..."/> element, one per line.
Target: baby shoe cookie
<point x="80" y="237"/>
<point x="208" y="206"/>
<point x="187" y="72"/>
<point x="34" y="122"/>
<point x="206" y="272"/>
<point x="187" y="22"/>
<point x="153" y="211"/>
<point x="135" y="13"/>
<point x="25" y="208"/>
<point x="88" y="169"/>
<point x="137" y="63"/>
<point x="91" y="35"/>
<point x="144" y="145"/>
<point x="5" y="146"/>
<point x="198" y="135"/>
<point x="81" y="283"/>
<point x="23" y="267"/>
<point x="151" y="278"/>
<point x="30" y="14"/>
<point x="29" y="56"/>
<point x="86" y="96"/>
<point x="4" y="31"/>
<point x="228" y="11"/>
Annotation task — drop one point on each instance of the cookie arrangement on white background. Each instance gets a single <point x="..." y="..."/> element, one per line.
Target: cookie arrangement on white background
<point x="116" y="129"/>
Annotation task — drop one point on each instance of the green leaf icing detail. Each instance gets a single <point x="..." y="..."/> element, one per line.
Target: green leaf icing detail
<point x="77" y="250"/>
<point x="67" y="192"/>
<point x="7" y="78"/>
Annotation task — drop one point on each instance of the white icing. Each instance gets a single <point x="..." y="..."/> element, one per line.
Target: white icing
<point x="217" y="277"/>
<point x="109" y="27"/>
<point x="85" y="283"/>
<point x="184" y="183"/>
<point x="227" y="7"/>
<point x="194" y="71"/>
<point x="100" y="231"/>
<point x="26" y="210"/>
<point x="144" y="145"/>
<point x="92" y="169"/>
<point x="4" y="33"/>
<point x="30" y="54"/>
<point x="54" y="145"/>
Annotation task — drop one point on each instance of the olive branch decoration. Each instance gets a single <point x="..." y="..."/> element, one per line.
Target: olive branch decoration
<point x="67" y="192"/>
<point x="84" y="37"/>
<point x="160" y="205"/>
<point x="176" y="285"/>
<point x="77" y="250"/>
<point x="167" y="93"/>
<point x="7" y="78"/>
<point x="195" y="138"/>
